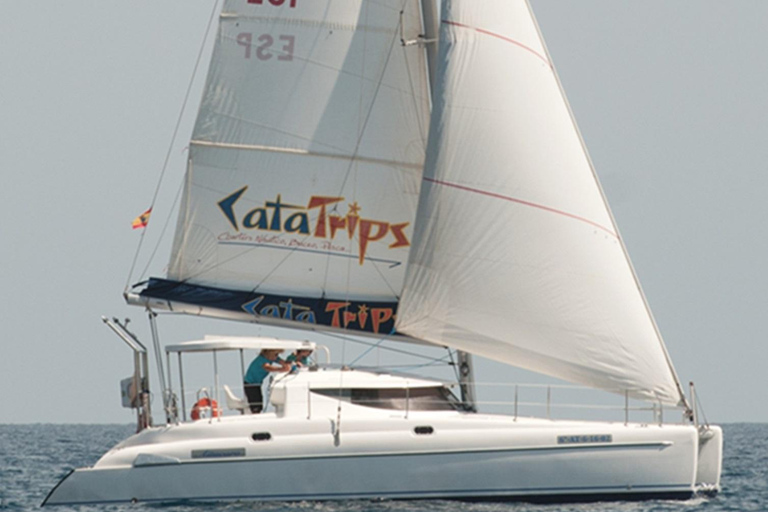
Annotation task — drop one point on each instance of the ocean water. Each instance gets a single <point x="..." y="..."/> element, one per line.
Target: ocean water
<point x="34" y="457"/>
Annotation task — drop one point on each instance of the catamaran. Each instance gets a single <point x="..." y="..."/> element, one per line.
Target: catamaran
<point x="384" y="168"/>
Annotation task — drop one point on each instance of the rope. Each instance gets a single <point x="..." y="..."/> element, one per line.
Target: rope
<point x="434" y="362"/>
<point x="356" y="150"/>
<point x="162" y="233"/>
<point x="391" y="349"/>
<point x="701" y="408"/>
<point x="173" y="137"/>
<point x="372" y="346"/>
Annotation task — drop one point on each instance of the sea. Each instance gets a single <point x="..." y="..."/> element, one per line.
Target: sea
<point x="34" y="457"/>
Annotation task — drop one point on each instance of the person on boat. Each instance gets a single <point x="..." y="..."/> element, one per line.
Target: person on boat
<point x="267" y="361"/>
<point x="300" y="357"/>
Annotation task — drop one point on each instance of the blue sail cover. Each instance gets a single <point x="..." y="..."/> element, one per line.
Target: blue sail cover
<point x="366" y="316"/>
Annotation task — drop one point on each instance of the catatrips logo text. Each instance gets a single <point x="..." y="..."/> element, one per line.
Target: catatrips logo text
<point x="316" y="220"/>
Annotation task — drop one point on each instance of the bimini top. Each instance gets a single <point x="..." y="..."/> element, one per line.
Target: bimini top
<point x="211" y="343"/>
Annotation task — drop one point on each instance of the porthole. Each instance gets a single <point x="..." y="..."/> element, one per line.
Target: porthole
<point x="424" y="431"/>
<point x="261" y="436"/>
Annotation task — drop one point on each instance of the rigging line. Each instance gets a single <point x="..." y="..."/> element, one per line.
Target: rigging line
<point x="353" y="161"/>
<point x="349" y="167"/>
<point x="306" y="250"/>
<point x="415" y="103"/>
<point x="318" y="64"/>
<point x="135" y="258"/>
<point x="701" y="408"/>
<point x="292" y="251"/>
<point x="373" y="346"/>
<point x="365" y="124"/>
<point x="243" y="253"/>
<point x="162" y="233"/>
<point x="371" y="105"/>
<point x="436" y="362"/>
<point x="393" y="165"/>
<point x="175" y="132"/>
<point x="455" y="366"/>
<point x="383" y="347"/>
<point x="374" y="263"/>
<point x="383" y="5"/>
<point x="423" y="143"/>
<point x="412" y="366"/>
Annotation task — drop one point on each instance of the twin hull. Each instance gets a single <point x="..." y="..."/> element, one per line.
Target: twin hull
<point x="464" y="456"/>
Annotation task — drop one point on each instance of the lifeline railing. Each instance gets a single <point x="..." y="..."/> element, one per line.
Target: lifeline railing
<point x="553" y="400"/>
<point x="548" y="403"/>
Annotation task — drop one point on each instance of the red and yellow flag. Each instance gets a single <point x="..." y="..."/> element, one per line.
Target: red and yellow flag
<point x="142" y="220"/>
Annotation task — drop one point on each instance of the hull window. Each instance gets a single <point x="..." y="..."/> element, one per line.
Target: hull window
<point x="399" y="399"/>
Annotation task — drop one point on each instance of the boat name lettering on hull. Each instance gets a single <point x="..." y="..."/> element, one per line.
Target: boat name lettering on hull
<point x="276" y="3"/>
<point x="218" y="453"/>
<point x="581" y="439"/>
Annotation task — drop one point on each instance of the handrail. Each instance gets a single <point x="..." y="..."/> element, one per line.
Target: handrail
<point x="616" y="408"/>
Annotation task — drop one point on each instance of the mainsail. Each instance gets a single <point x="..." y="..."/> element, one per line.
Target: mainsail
<point x="305" y="164"/>
<point x="516" y="256"/>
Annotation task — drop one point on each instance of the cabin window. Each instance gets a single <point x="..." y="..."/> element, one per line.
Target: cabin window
<point x="424" y="431"/>
<point x="261" y="436"/>
<point x="399" y="399"/>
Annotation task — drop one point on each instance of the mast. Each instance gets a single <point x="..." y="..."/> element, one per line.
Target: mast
<point x="467" y="380"/>
<point x="431" y="33"/>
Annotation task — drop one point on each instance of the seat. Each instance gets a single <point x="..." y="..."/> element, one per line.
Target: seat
<point x="236" y="403"/>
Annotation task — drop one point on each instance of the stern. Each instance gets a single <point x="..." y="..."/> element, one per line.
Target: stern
<point x="710" y="460"/>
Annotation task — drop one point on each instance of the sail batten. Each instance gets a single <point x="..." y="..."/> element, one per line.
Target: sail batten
<point x="516" y="256"/>
<point x="305" y="152"/>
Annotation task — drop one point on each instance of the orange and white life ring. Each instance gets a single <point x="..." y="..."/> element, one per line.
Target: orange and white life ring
<point x="205" y="407"/>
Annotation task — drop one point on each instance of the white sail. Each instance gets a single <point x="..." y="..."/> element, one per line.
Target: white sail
<point x="305" y="162"/>
<point x="313" y="124"/>
<point x="516" y="256"/>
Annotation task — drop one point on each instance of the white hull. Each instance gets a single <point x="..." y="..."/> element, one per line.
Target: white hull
<point x="467" y="456"/>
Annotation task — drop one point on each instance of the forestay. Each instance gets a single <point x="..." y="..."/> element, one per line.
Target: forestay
<point x="305" y="164"/>
<point x="516" y="256"/>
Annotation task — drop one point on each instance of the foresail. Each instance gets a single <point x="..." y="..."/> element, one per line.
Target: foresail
<point x="305" y="163"/>
<point x="515" y="254"/>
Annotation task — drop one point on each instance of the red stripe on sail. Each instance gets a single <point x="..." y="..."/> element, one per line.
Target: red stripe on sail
<point x="503" y="38"/>
<point x="520" y="201"/>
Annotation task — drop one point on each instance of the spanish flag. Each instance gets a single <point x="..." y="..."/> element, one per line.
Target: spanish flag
<point x="142" y="220"/>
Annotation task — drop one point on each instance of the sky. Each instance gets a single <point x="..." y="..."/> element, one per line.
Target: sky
<point x="669" y="97"/>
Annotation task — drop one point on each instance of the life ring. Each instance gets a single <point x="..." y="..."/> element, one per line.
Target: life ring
<point x="205" y="406"/>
